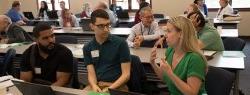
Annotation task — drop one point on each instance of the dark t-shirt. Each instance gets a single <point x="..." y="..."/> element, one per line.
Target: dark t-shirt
<point x="59" y="60"/>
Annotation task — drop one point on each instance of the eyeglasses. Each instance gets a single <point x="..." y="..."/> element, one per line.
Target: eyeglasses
<point x="148" y="17"/>
<point x="102" y="26"/>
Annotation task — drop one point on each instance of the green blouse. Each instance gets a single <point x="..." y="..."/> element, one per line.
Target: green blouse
<point x="192" y="64"/>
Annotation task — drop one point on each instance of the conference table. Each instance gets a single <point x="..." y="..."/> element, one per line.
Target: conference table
<point x="225" y="23"/>
<point x="79" y="31"/>
<point x="233" y="60"/>
<point x="123" y="32"/>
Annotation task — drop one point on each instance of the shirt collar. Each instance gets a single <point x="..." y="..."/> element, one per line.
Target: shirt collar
<point x="109" y="39"/>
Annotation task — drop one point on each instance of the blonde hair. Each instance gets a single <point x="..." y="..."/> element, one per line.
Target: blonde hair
<point x="189" y="40"/>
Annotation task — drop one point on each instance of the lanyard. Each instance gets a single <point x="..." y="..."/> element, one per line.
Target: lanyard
<point x="149" y="31"/>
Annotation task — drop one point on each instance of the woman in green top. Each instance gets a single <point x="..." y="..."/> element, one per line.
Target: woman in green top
<point x="185" y="67"/>
<point x="209" y="38"/>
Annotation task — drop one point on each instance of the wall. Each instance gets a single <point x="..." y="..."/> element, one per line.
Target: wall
<point x="167" y="7"/>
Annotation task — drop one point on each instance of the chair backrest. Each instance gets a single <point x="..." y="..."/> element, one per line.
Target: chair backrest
<point x="234" y="44"/>
<point x="7" y="66"/>
<point x="66" y="39"/>
<point x="137" y="75"/>
<point x="158" y="15"/>
<point x="74" y="83"/>
<point x="122" y="14"/>
<point x="78" y="15"/>
<point x="218" y="81"/>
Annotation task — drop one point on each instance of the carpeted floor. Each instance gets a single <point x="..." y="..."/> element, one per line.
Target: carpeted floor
<point x="245" y="74"/>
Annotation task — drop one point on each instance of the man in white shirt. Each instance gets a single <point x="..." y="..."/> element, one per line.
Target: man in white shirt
<point x="112" y="16"/>
<point x="62" y="6"/>
<point x="225" y="9"/>
<point x="146" y="30"/>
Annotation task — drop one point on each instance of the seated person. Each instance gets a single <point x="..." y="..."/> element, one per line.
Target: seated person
<point x="86" y="11"/>
<point x="225" y="9"/>
<point x="46" y="62"/>
<point x="107" y="56"/>
<point x="43" y="11"/>
<point x="137" y="15"/>
<point x="12" y="33"/>
<point x="209" y="37"/>
<point x="112" y="16"/>
<point x="63" y="8"/>
<point x="15" y="15"/>
<point x="68" y="19"/>
<point x="184" y="68"/>
<point x="146" y="30"/>
<point x="191" y="8"/>
<point x="202" y="7"/>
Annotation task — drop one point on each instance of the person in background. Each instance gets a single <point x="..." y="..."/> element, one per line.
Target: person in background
<point x="202" y="6"/>
<point x="67" y="19"/>
<point x="113" y="18"/>
<point x="209" y="37"/>
<point x="46" y="62"/>
<point x="12" y="33"/>
<point x="63" y="8"/>
<point x="225" y="9"/>
<point x="191" y="8"/>
<point x="107" y="57"/>
<point x="146" y="30"/>
<point x="86" y="11"/>
<point x="137" y="15"/>
<point x="15" y="14"/>
<point x="43" y="11"/>
<point x="184" y="68"/>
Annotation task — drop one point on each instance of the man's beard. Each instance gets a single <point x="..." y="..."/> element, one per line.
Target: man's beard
<point x="47" y="49"/>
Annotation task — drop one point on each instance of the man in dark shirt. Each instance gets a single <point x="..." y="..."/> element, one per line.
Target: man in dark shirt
<point x="107" y="57"/>
<point x="46" y="62"/>
<point x="12" y="33"/>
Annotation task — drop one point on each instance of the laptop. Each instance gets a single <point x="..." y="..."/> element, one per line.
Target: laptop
<point x="84" y="23"/>
<point x="52" y="14"/>
<point x="36" y="89"/>
<point x="29" y="15"/>
<point x="118" y="92"/>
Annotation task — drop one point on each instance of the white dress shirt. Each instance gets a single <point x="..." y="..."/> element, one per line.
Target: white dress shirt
<point x="228" y="10"/>
<point x="149" y="33"/>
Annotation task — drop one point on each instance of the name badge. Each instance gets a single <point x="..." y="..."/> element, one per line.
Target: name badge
<point x="95" y="53"/>
<point x="38" y="71"/>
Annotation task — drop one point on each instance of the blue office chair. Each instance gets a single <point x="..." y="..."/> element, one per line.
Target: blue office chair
<point x="6" y="65"/>
<point x="66" y="39"/>
<point x="218" y="81"/>
<point x="234" y="44"/>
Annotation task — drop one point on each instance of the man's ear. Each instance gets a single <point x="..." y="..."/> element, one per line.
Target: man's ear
<point x="91" y="26"/>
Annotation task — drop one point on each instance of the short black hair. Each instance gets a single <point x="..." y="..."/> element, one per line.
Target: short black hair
<point x="15" y="4"/>
<point x="40" y="27"/>
<point x="200" y="18"/>
<point x="99" y="13"/>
